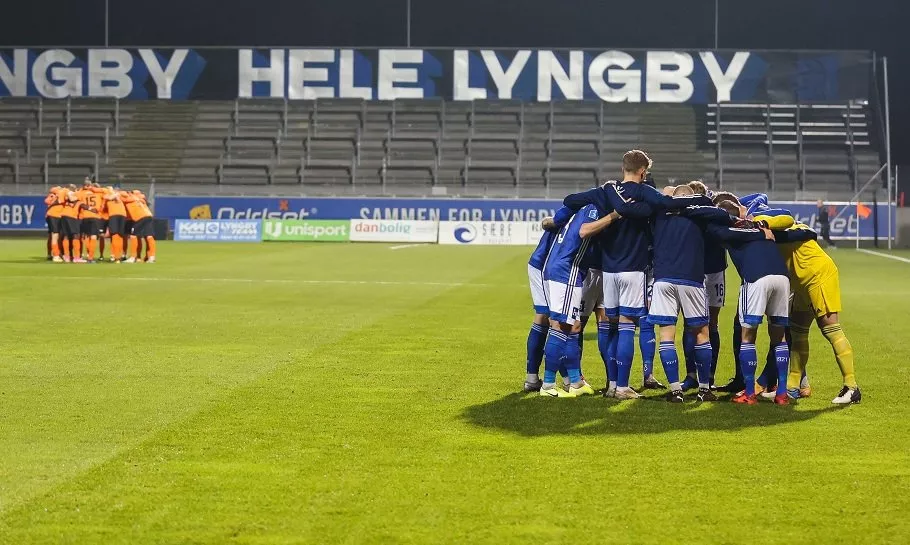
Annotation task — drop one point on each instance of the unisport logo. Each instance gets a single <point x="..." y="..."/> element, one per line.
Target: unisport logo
<point x="273" y="228"/>
<point x="465" y="233"/>
<point x="318" y="231"/>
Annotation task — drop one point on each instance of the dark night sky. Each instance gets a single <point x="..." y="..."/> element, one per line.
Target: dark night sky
<point x="879" y="25"/>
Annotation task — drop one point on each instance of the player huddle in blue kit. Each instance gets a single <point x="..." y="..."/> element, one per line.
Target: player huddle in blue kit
<point x="636" y="258"/>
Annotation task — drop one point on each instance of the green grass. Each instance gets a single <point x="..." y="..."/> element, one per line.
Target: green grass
<point x="313" y="393"/>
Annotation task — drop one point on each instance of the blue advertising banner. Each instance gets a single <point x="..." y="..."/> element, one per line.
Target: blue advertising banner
<point x="845" y="219"/>
<point x="22" y="213"/>
<point x="28" y="213"/>
<point x="218" y="230"/>
<point x="224" y="208"/>
<point x="682" y="76"/>
<point x="844" y="226"/>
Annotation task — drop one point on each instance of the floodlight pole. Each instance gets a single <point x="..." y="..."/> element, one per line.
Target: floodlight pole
<point x="716" y="22"/>
<point x="888" y="145"/>
<point x="107" y="33"/>
<point x="408" y="22"/>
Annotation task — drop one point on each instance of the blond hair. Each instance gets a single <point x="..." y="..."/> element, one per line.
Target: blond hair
<point x="698" y="187"/>
<point x="635" y="160"/>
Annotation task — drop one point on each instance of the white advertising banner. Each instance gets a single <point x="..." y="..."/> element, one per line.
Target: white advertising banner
<point x="393" y="231"/>
<point x="513" y="233"/>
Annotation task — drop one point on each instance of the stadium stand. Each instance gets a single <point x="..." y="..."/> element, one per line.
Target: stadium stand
<point x="497" y="148"/>
<point x="791" y="148"/>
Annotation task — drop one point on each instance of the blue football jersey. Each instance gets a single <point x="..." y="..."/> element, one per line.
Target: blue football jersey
<point x="715" y="256"/>
<point x="752" y="254"/>
<point x="680" y="245"/>
<point x="540" y="253"/>
<point x="570" y="253"/>
<point x="642" y="207"/>
<point x="626" y="245"/>
<point x="679" y="250"/>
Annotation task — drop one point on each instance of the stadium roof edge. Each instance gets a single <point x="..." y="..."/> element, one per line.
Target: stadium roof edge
<point x="449" y="47"/>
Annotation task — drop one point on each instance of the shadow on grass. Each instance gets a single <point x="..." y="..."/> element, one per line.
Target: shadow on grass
<point x="532" y="416"/>
<point x="28" y="260"/>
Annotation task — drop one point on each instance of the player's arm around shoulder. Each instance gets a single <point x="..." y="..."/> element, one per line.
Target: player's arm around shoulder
<point x="577" y="201"/>
<point x="795" y="233"/>
<point x="776" y="221"/>
<point x="708" y="214"/>
<point x="589" y="229"/>
<point x="735" y="235"/>
<point x="626" y="199"/>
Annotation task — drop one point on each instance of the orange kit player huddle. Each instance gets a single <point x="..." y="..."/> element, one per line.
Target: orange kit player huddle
<point x="79" y="220"/>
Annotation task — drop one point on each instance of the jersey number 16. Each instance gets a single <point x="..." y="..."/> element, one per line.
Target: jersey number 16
<point x="719" y="288"/>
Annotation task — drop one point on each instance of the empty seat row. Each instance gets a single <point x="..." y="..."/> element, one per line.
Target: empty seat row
<point x="497" y="144"/>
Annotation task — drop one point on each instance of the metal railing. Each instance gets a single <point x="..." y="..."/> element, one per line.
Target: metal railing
<point x="106" y="139"/>
<point x="47" y="163"/>
<point x="15" y="164"/>
<point x="784" y="125"/>
<point x="236" y="116"/>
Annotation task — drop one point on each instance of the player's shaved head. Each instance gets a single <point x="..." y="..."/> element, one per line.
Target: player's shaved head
<point x="698" y="187"/>
<point x="682" y="191"/>
<point x="668" y="191"/>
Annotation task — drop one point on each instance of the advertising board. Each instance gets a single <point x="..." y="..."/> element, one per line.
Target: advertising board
<point x="218" y="231"/>
<point x="306" y="230"/>
<point x="393" y="231"/>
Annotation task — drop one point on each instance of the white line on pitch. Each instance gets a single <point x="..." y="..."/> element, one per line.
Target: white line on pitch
<point x="262" y="281"/>
<point x="403" y="246"/>
<point x="882" y="254"/>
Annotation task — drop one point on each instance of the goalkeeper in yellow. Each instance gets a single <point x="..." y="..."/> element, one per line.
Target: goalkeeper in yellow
<point x="815" y="285"/>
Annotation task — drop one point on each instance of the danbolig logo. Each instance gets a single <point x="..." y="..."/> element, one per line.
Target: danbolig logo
<point x="396" y="227"/>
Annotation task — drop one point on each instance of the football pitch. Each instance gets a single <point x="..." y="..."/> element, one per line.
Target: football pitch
<point x="354" y="393"/>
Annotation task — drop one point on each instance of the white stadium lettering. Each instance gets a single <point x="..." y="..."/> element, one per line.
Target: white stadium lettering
<point x="16" y="214"/>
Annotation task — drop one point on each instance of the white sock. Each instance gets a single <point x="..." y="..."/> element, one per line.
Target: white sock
<point x="675" y="386"/>
<point x="703" y="386"/>
<point x="611" y="385"/>
<point x="533" y="378"/>
<point x="548" y="385"/>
